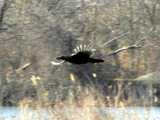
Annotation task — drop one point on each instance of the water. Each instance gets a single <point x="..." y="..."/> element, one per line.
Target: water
<point x="8" y="112"/>
<point x="130" y="113"/>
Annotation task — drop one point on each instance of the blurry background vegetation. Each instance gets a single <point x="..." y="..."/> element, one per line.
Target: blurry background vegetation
<point x="35" y="32"/>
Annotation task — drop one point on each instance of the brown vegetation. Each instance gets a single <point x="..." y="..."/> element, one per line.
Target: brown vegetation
<point x="35" y="32"/>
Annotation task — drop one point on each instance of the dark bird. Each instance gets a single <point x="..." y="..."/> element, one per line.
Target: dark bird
<point x="81" y="55"/>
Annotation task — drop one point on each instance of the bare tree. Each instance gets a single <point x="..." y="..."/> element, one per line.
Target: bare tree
<point x="3" y="9"/>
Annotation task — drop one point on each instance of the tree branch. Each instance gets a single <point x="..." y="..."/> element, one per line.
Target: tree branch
<point x="2" y="12"/>
<point x="23" y="67"/>
<point x="123" y="49"/>
<point x="114" y="39"/>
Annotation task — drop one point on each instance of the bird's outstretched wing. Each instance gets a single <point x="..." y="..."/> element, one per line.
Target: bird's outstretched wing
<point x="83" y="50"/>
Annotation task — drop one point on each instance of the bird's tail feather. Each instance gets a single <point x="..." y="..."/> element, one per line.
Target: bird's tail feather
<point x="96" y="60"/>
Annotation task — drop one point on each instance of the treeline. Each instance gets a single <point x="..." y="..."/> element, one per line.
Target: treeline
<point x="33" y="33"/>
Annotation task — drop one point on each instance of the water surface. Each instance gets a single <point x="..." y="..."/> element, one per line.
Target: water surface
<point x="129" y="113"/>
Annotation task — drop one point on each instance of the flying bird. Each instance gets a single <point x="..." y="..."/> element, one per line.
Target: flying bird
<point x="82" y="55"/>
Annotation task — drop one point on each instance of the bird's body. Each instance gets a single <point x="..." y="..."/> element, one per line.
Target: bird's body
<point x="81" y="56"/>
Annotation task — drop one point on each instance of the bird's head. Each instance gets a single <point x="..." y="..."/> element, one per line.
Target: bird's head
<point x="61" y="58"/>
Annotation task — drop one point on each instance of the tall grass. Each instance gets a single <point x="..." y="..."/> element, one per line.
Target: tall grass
<point x="82" y="106"/>
<point x="80" y="103"/>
